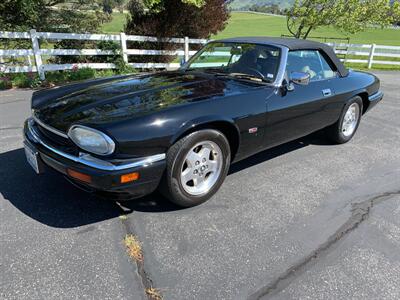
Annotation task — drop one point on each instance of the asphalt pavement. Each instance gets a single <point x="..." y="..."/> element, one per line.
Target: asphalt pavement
<point x="305" y="220"/>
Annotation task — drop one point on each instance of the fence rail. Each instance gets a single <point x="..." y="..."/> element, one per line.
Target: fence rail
<point x="353" y="53"/>
<point x="36" y="52"/>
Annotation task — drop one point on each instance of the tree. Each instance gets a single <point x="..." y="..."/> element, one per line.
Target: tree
<point x="51" y="15"/>
<point x="173" y="18"/>
<point x="80" y="16"/>
<point x="194" y="18"/>
<point x="157" y="5"/>
<point x="109" y="5"/>
<point x="270" y="9"/>
<point x="349" y="16"/>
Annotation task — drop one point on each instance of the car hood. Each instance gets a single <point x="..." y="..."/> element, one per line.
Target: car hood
<point x="120" y="98"/>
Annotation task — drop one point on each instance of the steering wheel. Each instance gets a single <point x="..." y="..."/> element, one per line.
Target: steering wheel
<point x="256" y="71"/>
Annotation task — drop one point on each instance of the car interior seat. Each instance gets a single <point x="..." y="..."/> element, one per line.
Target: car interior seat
<point x="247" y="61"/>
<point x="268" y="66"/>
<point x="307" y="69"/>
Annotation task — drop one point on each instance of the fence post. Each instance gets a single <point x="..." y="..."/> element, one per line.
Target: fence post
<point x="186" y="49"/>
<point x="371" y="56"/>
<point x="123" y="47"/>
<point x="36" y="53"/>
<point x="347" y="53"/>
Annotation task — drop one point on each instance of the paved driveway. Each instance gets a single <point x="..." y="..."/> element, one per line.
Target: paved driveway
<point x="304" y="220"/>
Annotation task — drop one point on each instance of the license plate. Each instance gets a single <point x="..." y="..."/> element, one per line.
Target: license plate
<point x="32" y="157"/>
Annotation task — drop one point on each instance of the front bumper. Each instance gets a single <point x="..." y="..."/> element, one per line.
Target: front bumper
<point x="105" y="174"/>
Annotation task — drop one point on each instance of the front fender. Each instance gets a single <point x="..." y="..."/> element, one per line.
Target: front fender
<point x="202" y="122"/>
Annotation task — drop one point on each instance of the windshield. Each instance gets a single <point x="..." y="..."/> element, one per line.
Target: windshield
<point x="238" y="59"/>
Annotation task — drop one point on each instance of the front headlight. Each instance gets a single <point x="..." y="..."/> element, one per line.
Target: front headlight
<point x="91" y="140"/>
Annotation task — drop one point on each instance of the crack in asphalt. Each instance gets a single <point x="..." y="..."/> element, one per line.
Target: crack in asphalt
<point x="11" y="128"/>
<point x="14" y="101"/>
<point x="359" y="213"/>
<point x="129" y="229"/>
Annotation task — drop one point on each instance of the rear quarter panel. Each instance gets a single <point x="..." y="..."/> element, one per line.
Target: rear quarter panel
<point x="357" y="83"/>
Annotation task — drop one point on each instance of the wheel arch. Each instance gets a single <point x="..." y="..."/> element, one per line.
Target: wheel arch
<point x="365" y="100"/>
<point x="363" y="94"/>
<point x="226" y="126"/>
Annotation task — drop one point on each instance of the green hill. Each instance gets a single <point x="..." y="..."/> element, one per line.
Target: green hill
<point x="243" y="4"/>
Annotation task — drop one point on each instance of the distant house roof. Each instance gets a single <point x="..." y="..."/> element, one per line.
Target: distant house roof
<point x="293" y="44"/>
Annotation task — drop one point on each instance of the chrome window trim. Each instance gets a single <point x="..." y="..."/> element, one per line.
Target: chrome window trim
<point x="280" y="76"/>
<point x="49" y="128"/>
<point x="93" y="162"/>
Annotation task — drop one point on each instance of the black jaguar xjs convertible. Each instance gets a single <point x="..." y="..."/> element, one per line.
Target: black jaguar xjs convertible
<point x="179" y="131"/>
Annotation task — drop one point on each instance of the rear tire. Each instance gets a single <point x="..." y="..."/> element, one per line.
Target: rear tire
<point x="197" y="165"/>
<point x="344" y="129"/>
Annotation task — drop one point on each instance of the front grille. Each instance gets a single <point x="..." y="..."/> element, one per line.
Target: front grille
<point x="57" y="141"/>
<point x="54" y="137"/>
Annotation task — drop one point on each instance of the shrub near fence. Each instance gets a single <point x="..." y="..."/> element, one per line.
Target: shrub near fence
<point x="367" y="53"/>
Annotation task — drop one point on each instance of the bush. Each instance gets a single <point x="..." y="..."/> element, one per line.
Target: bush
<point x="81" y="74"/>
<point x="104" y="73"/>
<point x="35" y="81"/>
<point x="5" y="82"/>
<point x="56" y="77"/>
<point x="20" y="80"/>
<point x="123" y="68"/>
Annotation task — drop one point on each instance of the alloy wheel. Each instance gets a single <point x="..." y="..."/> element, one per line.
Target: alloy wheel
<point x="201" y="168"/>
<point x="350" y="120"/>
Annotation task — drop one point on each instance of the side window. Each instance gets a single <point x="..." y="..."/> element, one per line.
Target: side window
<point x="311" y="62"/>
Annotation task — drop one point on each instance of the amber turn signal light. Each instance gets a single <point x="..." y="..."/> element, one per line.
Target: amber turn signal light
<point x="80" y="176"/>
<point x="129" y="177"/>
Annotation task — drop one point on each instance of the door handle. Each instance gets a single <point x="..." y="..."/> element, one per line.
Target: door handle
<point x="326" y="92"/>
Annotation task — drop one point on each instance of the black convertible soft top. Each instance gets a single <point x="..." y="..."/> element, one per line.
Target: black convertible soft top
<point x="293" y="44"/>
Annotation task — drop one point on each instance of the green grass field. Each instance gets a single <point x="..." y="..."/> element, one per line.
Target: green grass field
<point x="116" y="25"/>
<point x="248" y="24"/>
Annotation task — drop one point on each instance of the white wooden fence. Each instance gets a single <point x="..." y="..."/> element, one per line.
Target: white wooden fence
<point x="122" y="38"/>
<point x="367" y="53"/>
<point x="370" y="54"/>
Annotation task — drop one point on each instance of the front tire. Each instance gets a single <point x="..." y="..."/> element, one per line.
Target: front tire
<point x="344" y="129"/>
<point x="197" y="165"/>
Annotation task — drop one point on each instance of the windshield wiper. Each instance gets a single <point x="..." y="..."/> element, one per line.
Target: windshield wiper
<point x="243" y="76"/>
<point x="248" y="76"/>
<point x="217" y="72"/>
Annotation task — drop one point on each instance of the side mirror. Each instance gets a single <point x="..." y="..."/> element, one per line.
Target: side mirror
<point x="300" y="78"/>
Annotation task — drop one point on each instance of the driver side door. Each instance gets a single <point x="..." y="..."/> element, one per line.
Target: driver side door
<point x="307" y="108"/>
